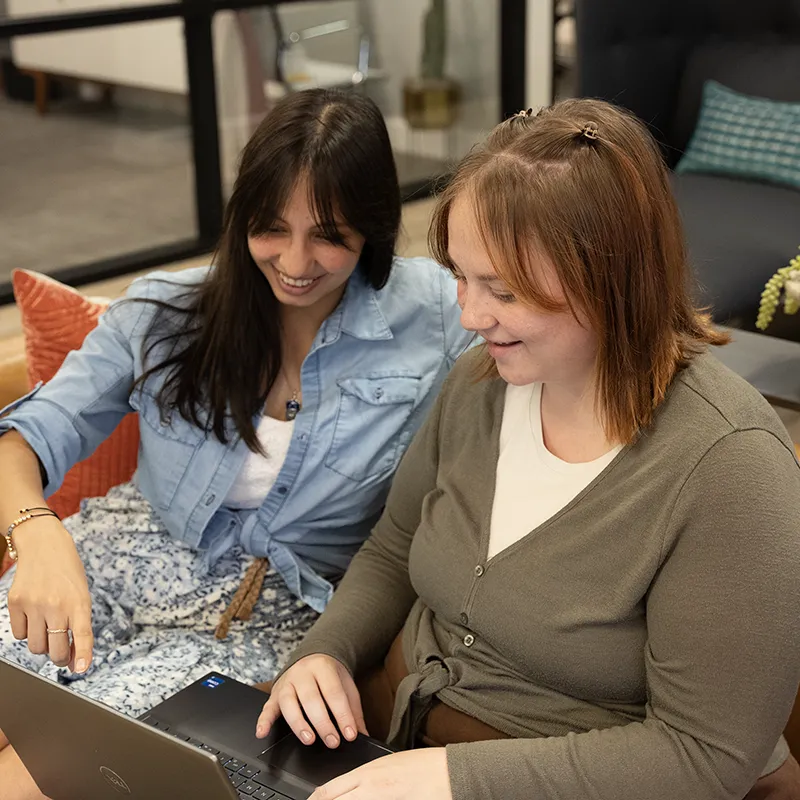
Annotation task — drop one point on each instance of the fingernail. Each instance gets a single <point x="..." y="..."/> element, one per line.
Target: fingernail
<point x="349" y="733"/>
<point x="261" y="730"/>
<point x="331" y="740"/>
<point x="306" y="736"/>
<point x="81" y="665"/>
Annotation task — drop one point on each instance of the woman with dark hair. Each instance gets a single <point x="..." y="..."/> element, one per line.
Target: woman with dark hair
<point x="276" y="392"/>
<point x="585" y="583"/>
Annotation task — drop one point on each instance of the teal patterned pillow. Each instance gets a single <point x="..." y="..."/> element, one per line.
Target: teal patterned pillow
<point x="745" y="137"/>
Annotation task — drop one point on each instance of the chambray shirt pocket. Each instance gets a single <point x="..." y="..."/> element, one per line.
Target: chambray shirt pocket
<point x="372" y="412"/>
<point x="170" y="441"/>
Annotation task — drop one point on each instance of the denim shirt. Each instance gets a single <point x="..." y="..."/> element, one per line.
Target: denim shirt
<point x="372" y="373"/>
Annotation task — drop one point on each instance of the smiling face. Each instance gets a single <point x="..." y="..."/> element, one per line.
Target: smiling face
<point x="528" y="344"/>
<point x="304" y="265"/>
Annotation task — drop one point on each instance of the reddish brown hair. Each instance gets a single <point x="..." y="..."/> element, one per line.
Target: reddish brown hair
<point x="585" y="183"/>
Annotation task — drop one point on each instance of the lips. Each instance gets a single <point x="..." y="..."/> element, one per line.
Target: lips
<point x="297" y="283"/>
<point x="500" y="349"/>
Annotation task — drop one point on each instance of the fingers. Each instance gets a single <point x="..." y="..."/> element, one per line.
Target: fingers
<point x="37" y="634"/>
<point x="354" y="698"/>
<point x="338" y="700"/>
<point x="269" y="714"/>
<point x="58" y="643"/>
<point x="317" y="696"/>
<point x="19" y="621"/>
<point x="310" y="695"/>
<point x="293" y="714"/>
<point x="82" y="636"/>
<point x="344" y="786"/>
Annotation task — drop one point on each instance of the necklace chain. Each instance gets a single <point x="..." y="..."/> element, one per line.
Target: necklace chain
<point x="293" y="405"/>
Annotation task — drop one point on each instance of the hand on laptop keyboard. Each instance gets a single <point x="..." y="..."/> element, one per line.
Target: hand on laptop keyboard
<point x="309" y="688"/>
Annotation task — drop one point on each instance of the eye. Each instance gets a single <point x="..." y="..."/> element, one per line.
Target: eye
<point x="336" y="239"/>
<point x="504" y="298"/>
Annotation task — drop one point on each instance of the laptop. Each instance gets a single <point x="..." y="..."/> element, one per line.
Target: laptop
<point x="199" y="744"/>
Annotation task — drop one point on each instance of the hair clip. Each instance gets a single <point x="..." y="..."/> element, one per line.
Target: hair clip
<point x="589" y="130"/>
<point x="525" y="113"/>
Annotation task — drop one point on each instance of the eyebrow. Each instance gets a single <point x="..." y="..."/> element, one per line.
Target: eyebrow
<point x="342" y="227"/>
<point x="486" y="277"/>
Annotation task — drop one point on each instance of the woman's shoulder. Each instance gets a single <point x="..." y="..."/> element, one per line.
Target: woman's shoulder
<point x="134" y="311"/>
<point x="420" y="299"/>
<point x="709" y="403"/>
<point x="418" y="281"/>
<point x="165" y="285"/>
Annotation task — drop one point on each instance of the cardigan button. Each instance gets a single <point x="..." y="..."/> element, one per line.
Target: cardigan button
<point x="469" y="640"/>
<point x="479" y="570"/>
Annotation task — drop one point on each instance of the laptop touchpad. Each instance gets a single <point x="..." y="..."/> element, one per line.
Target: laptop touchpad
<point x="316" y="764"/>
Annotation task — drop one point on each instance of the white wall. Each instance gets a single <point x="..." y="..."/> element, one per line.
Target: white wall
<point x="473" y="59"/>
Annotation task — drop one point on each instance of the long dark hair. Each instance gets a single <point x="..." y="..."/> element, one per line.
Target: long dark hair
<point x="219" y="343"/>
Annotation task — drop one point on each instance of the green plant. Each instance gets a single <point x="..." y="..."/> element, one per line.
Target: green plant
<point x="434" y="41"/>
<point x="786" y="279"/>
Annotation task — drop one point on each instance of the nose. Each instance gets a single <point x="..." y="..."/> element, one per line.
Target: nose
<point x="475" y="316"/>
<point x="295" y="260"/>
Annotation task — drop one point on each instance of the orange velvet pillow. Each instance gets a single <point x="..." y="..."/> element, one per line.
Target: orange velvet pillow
<point x="55" y="320"/>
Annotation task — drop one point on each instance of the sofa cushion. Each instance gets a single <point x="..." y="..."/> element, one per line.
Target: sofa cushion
<point x="745" y="137"/>
<point x="738" y="233"/>
<point x="55" y="320"/>
<point x="767" y="68"/>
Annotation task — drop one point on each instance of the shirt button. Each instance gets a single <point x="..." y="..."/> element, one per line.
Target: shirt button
<point x="209" y="498"/>
<point x="282" y="490"/>
<point x="464" y="619"/>
<point x="469" y="640"/>
<point x="378" y="393"/>
<point x="479" y="570"/>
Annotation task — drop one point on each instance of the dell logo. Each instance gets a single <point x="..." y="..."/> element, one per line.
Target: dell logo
<point x="115" y="780"/>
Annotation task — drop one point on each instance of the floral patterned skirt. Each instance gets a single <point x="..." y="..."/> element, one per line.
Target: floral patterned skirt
<point x="155" y="609"/>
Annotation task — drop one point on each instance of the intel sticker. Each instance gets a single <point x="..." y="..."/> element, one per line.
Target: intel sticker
<point x="213" y="682"/>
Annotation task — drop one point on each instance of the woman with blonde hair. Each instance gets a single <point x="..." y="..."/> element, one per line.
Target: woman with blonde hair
<point x="585" y="580"/>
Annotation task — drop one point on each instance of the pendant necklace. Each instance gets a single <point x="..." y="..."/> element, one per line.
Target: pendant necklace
<point x="293" y="405"/>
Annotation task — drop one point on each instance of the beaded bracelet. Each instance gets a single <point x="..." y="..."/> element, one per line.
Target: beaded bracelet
<point x="25" y="515"/>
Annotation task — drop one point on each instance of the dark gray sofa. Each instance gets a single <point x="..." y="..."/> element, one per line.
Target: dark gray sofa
<point x="653" y="58"/>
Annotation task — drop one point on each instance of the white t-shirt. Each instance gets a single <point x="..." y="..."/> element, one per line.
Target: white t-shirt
<point x="259" y="473"/>
<point x="531" y="484"/>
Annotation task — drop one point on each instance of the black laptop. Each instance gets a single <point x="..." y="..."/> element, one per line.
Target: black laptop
<point x="199" y="744"/>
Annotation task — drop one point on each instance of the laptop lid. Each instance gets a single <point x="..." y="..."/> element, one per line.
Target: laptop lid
<point x="75" y="747"/>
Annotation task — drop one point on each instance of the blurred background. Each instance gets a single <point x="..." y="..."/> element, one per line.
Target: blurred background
<point x="120" y="127"/>
<point x="121" y="123"/>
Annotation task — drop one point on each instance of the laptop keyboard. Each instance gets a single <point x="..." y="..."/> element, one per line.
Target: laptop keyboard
<point x="247" y="779"/>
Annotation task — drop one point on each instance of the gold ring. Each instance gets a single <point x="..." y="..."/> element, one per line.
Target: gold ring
<point x="58" y="630"/>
